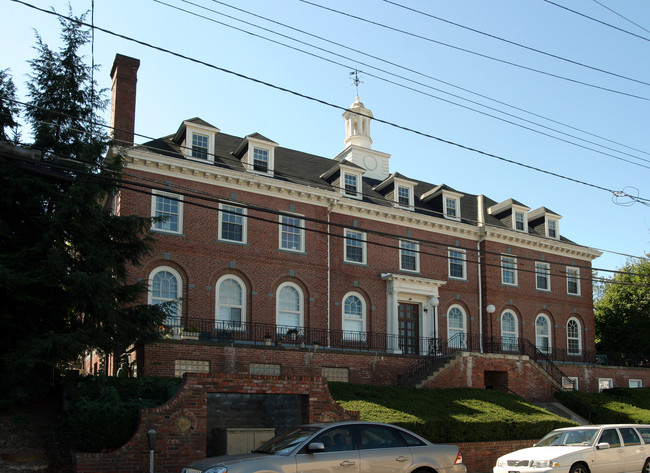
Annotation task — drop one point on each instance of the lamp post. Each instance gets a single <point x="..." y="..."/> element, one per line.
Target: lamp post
<point x="490" y="309"/>
<point x="433" y="302"/>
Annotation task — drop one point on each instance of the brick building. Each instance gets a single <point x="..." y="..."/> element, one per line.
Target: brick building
<point x="350" y="270"/>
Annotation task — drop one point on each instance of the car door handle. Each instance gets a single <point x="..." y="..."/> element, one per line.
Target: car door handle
<point x="347" y="463"/>
<point x="402" y="459"/>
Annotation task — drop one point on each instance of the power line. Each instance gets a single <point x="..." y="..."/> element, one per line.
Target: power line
<point x="621" y="16"/>
<point x="413" y="81"/>
<point x="365" y="20"/>
<point x="514" y="43"/>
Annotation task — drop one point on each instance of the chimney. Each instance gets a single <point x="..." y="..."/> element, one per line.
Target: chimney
<point x="125" y="77"/>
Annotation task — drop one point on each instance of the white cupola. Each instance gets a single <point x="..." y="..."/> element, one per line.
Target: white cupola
<point x="357" y="125"/>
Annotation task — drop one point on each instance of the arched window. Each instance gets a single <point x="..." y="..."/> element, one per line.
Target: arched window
<point x="165" y="287"/>
<point x="354" y="317"/>
<point x="289" y="306"/>
<point x="509" y="332"/>
<point x="456" y="331"/>
<point x="573" y="337"/>
<point x="543" y="333"/>
<point x="231" y="302"/>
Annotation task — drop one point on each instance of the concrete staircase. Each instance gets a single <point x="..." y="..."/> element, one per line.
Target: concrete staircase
<point x="448" y="362"/>
<point x="562" y="411"/>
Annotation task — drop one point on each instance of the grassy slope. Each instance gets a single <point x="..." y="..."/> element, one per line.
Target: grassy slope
<point x="618" y="405"/>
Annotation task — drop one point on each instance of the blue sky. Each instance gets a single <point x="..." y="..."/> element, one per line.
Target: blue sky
<point x="576" y="107"/>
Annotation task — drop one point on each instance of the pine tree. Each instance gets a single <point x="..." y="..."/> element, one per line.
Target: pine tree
<point x="8" y="106"/>
<point x="63" y="254"/>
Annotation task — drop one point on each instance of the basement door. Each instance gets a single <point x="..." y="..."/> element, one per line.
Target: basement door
<point x="409" y="327"/>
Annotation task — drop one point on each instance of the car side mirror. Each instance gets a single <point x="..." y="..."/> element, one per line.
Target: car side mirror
<point x="316" y="447"/>
<point x="602" y="446"/>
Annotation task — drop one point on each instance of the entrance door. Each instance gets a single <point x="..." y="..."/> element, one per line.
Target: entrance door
<point x="409" y="328"/>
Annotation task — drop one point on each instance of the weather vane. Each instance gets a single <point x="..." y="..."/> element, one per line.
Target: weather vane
<point x="356" y="80"/>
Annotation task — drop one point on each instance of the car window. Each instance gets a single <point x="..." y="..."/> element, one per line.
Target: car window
<point x="630" y="437"/>
<point x="645" y="433"/>
<point x="377" y="436"/>
<point x="410" y="440"/>
<point x="338" y="439"/>
<point x="611" y="437"/>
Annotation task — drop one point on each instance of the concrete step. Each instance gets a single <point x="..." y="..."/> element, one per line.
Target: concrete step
<point x="562" y="411"/>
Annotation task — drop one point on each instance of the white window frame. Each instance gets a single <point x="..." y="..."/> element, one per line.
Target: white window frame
<point x="356" y="194"/>
<point x="601" y="384"/>
<point x="452" y="331"/>
<point x="291" y="229"/>
<point x="300" y="312"/>
<point x="159" y="226"/>
<point x="463" y="263"/>
<point x="348" y="318"/>
<point x="542" y="270"/>
<point x="363" y="245"/>
<point x="195" y="149"/>
<point x="524" y="220"/>
<point x="409" y="190"/>
<point x="227" y="211"/>
<point x="552" y="226"/>
<point x="570" y="382"/>
<point x="635" y="383"/>
<point x="573" y="273"/>
<point x="509" y="265"/>
<point x="174" y="319"/>
<point x="540" y="336"/>
<point x="199" y="130"/>
<point x="409" y="248"/>
<point x="574" y="337"/>
<point x="219" y="303"/>
<point x="509" y="338"/>
<point x="446" y="199"/>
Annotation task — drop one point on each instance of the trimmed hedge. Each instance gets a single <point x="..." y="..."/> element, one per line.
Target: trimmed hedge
<point x="450" y="415"/>
<point x="616" y="405"/>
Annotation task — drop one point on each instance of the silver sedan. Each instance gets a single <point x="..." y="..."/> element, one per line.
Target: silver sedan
<point x="353" y="447"/>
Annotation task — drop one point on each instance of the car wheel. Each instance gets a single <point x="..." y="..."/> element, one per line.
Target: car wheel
<point x="646" y="466"/>
<point x="579" y="468"/>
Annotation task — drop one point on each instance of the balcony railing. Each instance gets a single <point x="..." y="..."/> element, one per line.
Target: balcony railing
<point x="260" y="334"/>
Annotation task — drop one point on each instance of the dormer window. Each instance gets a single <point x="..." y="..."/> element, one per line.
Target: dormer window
<point x="200" y="148"/>
<point x="404" y="197"/>
<point x="257" y="154"/>
<point x="552" y="228"/>
<point x="452" y="207"/>
<point x="196" y="138"/>
<point x="399" y="190"/>
<point x="351" y="185"/>
<point x="261" y="160"/>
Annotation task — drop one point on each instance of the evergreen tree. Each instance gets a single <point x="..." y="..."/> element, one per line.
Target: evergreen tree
<point x="63" y="255"/>
<point x="8" y="106"/>
<point x="622" y="315"/>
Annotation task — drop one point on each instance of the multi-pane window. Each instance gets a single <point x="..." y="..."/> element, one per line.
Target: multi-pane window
<point x="509" y="331"/>
<point x="292" y="235"/>
<point x="543" y="276"/>
<point x="409" y="256"/>
<point x="289" y="306"/>
<point x="456" y="332"/>
<point x="574" y="340"/>
<point x="451" y="207"/>
<point x="260" y="160"/>
<point x="165" y="289"/>
<point x="509" y="270"/>
<point x="355" y="246"/>
<point x="552" y="228"/>
<point x="543" y="333"/>
<point x="573" y="281"/>
<point x="336" y="374"/>
<point x="351" y="184"/>
<point x="520" y="221"/>
<point x="265" y="369"/>
<point x="403" y="196"/>
<point x="354" y="321"/>
<point x="457" y="268"/>
<point x="199" y="146"/>
<point x="168" y="210"/>
<point x="233" y="223"/>
<point x="230" y="301"/>
<point x="191" y="366"/>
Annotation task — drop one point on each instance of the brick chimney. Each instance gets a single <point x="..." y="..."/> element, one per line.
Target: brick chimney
<point x="125" y="77"/>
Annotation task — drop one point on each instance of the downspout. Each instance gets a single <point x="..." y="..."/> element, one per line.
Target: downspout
<point x="483" y="236"/>
<point x="333" y="202"/>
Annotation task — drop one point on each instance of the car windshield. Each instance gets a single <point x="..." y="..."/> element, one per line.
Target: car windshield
<point x="284" y="443"/>
<point x="569" y="438"/>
